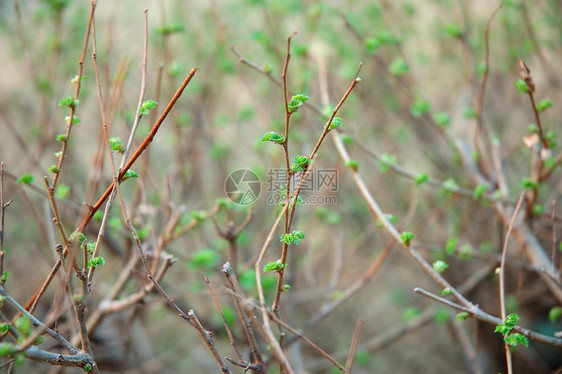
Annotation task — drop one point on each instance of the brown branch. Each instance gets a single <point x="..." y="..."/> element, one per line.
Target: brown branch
<point x="483" y="316"/>
<point x="307" y="341"/>
<point x="225" y="324"/>
<point x="76" y="94"/>
<point x="247" y="326"/>
<point x="480" y="102"/>
<point x="148" y="139"/>
<point x="353" y="345"/>
<point x="3" y="207"/>
<point x="502" y="279"/>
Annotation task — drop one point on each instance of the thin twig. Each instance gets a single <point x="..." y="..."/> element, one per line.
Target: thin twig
<point x="3" y="207"/>
<point x="483" y="316"/>
<point x="353" y="345"/>
<point x="480" y="102"/>
<point x="148" y="139"/>
<point x="307" y="341"/>
<point x="502" y="280"/>
<point x="229" y="333"/>
<point x="78" y="84"/>
<point x="247" y="326"/>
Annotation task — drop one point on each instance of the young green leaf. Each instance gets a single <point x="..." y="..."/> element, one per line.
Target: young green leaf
<point x="451" y="245"/>
<point x="146" y="106"/>
<point x="352" y="164"/>
<point x="274" y="266"/>
<point x="293" y="237"/>
<point x="479" y="191"/>
<point x="95" y="262"/>
<point x="25" y="179"/>
<point x="130" y="174"/>
<point x="273" y="137"/>
<point x="461" y="317"/>
<point x="386" y="162"/>
<point x="544" y="104"/>
<point x="61" y="138"/>
<point x="522" y="86"/>
<point x="419" y="108"/>
<point x="336" y="122"/>
<point x="296" y="102"/>
<point x="421" y="178"/>
<point x="440" y="266"/>
<point x="399" y="67"/>
<point x="442" y="119"/>
<point x="407" y="238"/>
<point x="300" y="163"/>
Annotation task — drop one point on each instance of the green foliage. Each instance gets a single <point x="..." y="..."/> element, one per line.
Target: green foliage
<point x="4" y="328"/>
<point x="336" y="122"/>
<point x="276" y="266"/>
<point x="466" y="252"/>
<point x="383" y="38"/>
<point x="90" y="247"/>
<point x="7" y="349"/>
<point x="479" y="191"/>
<point x="505" y="328"/>
<point x="544" y="104"/>
<point x="352" y="164"/>
<point x="410" y="314"/>
<point x="24" y="326"/>
<point x="69" y="102"/>
<point x="75" y="120"/>
<point x="87" y="368"/>
<point x="528" y="184"/>
<point x="399" y="67"/>
<point x="407" y="238"/>
<point x="450" y="185"/>
<point x="389" y="217"/>
<point x="442" y="119"/>
<point x="386" y="162"/>
<point x="61" y="138"/>
<point x="273" y="137"/>
<point x="420" y="108"/>
<point x="172" y="28"/>
<point x="440" y="266"/>
<point x="129" y="174"/>
<point x="77" y="237"/>
<point x="74" y="81"/>
<point x="470" y="113"/>
<point x="441" y="316"/>
<point x="25" y="179"/>
<point x="421" y="178"/>
<point x="54" y="169"/>
<point x="95" y="262"/>
<point x="300" y="163"/>
<point x="293" y="237"/>
<point x="205" y="258"/>
<point x="550" y="137"/>
<point x="522" y="86"/>
<point x="62" y="191"/>
<point x="296" y="102"/>
<point x="555" y="313"/>
<point x="4" y="277"/>
<point x="146" y="106"/>
<point x="461" y="317"/>
<point x="454" y="30"/>
<point x="451" y="245"/>
<point x="116" y="145"/>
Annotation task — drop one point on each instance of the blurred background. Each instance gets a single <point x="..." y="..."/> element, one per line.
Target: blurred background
<point x="422" y="67"/>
